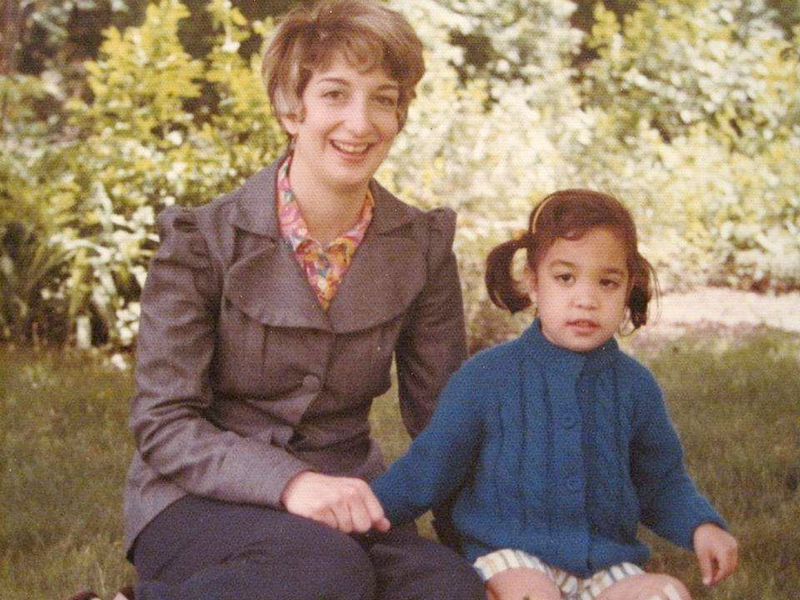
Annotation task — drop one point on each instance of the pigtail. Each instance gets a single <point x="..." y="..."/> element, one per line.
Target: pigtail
<point x="500" y="283"/>
<point x="644" y="287"/>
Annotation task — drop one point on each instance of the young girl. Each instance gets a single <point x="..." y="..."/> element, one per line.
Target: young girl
<point x="554" y="446"/>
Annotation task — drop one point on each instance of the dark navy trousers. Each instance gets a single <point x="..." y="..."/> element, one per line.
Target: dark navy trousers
<point x="201" y="549"/>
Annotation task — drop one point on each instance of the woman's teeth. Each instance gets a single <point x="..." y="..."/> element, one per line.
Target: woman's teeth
<point x="350" y="148"/>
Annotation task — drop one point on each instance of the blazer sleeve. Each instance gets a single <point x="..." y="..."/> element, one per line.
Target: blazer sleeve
<point x="669" y="501"/>
<point x="432" y="344"/>
<point x="174" y="357"/>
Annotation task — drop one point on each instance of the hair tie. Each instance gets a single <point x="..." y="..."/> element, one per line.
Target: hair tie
<point x="520" y="234"/>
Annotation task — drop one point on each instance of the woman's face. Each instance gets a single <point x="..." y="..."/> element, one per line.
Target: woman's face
<point x="349" y="125"/>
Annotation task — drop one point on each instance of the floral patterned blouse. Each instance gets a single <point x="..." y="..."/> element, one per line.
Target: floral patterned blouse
<point x="324" y="267"/>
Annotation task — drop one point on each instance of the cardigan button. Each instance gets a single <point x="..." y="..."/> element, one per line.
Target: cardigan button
<point x="311" y="383"/>
<point x="569" y="419"/>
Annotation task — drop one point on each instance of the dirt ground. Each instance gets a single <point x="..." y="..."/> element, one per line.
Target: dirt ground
<point x="721" y="308"/>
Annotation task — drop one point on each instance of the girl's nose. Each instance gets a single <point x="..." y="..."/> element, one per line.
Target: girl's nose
<point x="585" y="296"/>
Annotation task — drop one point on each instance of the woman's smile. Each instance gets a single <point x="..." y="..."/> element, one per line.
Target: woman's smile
<point x="350" y="149"/>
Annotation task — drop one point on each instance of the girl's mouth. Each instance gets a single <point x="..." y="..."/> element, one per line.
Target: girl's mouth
<point x="583" y="325"/>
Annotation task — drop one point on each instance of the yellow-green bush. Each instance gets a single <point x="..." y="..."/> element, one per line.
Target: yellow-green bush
<point x="138" y="146"/>
<point x="690" y="114"/>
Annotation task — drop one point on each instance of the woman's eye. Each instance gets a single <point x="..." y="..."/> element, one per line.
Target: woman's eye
<point x="387" y="101"/>
<point x="333" y="94"/>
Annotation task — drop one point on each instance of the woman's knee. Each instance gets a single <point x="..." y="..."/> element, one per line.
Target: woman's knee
<point x="314" y="561"/>
<point x="345" y="564"/>
<point x="336" y="565"/>
<point x="408" y="566"/>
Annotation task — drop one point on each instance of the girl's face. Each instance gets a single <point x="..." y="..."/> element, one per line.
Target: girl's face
<point x="581" y="290"/>
<point x="349" y="124"/>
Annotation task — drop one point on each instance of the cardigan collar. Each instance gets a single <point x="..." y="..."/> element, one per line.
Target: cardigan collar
<point x="255" y="209"/>
<point x="592" y="361"/>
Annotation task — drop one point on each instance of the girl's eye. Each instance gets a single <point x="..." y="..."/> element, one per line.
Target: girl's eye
<point x="609" y="283"/>
<point x="565" y="277"/>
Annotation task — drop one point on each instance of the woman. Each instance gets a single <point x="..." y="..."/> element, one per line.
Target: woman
<point x="269" y="322"/>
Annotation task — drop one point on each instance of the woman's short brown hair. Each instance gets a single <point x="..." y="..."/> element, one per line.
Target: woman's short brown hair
<point x="367" y="34"/>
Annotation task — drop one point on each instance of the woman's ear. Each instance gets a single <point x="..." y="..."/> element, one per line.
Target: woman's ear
<point x="291" y="120"/>
<point x="290" y="123"/>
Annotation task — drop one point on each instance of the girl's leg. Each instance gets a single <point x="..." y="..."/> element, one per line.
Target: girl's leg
<point x="201" y="549"/>
<point x="648" y="586"/>
<point x="520" y="584"/>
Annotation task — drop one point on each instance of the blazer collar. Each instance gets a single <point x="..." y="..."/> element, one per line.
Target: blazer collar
<point x="265" y="282"/>
<point x="255" y="211"/>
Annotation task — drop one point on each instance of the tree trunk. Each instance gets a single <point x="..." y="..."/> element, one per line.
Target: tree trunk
<point x="10" y="26"/>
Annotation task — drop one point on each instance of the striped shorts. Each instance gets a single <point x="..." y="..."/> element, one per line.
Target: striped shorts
<point x="572" y="587"/>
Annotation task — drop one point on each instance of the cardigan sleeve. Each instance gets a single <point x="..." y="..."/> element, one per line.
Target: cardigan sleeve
<point x="174" y="356"/>
<point x="438" y="460"/>
<point x="669" y="501"/>
<point x="432" y="344"/>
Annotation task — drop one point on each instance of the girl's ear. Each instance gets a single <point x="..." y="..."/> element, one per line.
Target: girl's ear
<point x="529" y="283"/>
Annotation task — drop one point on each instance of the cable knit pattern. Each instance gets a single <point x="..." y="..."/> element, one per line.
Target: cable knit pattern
<point x="558" y="453"/>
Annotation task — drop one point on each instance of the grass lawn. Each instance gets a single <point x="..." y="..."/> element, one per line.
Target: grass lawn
<point x="65" y="449"/>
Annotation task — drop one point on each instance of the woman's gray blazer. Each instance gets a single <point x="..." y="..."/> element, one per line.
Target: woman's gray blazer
<point x="243" y="381"/>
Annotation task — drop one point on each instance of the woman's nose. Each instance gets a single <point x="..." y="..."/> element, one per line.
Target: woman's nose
<point x="358" y="119"/>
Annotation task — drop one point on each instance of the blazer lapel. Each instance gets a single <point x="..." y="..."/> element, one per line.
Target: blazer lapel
<point x="387" y="272"/>
<point x="269" y="287"/>
<point x="265" y="282"/>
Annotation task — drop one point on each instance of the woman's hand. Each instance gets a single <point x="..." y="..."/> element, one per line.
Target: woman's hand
<point x="344" y="503"/>
<point x="717" y="552"/>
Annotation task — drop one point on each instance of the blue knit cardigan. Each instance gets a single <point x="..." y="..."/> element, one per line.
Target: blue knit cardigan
<point x="558" y="453"/>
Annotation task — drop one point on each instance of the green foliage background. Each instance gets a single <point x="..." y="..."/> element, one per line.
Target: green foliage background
<point x="689" y="111"/>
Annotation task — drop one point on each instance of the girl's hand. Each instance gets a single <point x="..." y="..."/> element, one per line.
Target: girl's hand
<point x="343" y="503"/>
<point x="717" y="552"/>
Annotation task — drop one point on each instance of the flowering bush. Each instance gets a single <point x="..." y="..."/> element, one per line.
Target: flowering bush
<point x="690" y="114"/>
<point x="138" y="146"/>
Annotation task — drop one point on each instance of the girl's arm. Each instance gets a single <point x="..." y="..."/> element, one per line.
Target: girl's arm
<point x="670" y="504"/>
<point x="439" y="459"/>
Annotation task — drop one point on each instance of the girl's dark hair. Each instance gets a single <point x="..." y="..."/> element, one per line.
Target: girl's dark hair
<point x="570" y="214"/>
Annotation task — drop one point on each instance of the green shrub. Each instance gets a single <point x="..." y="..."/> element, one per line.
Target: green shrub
<point x="141" y="143"/>
<point x="689" y="113"/>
